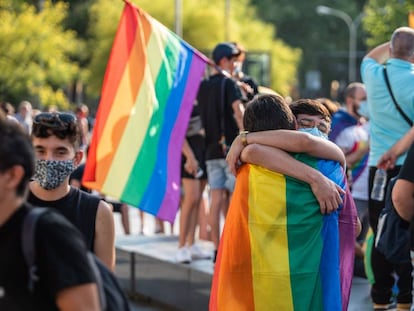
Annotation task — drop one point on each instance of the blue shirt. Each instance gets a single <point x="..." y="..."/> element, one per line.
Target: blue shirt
<point x="387" y="126"/>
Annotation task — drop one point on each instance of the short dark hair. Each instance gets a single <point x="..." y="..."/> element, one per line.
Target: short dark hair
<point x="16" y="149"/>
<point x="60" y="124"/>
<point x="311" y="107"/>
<point x="268" y="112"/>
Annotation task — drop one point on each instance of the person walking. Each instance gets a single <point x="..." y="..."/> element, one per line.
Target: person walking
<point x="66" y="279"/>
<point x="350" y="133"/>
<point x="56" y="140"/>
<point x="219" y="99"/>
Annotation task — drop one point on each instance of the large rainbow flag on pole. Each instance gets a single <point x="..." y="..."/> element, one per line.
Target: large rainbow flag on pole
<point x="151" y="81"/>
<point x="277" y="251"/>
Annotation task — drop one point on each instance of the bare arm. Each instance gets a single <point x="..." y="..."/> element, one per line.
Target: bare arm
<point x="403" y="198"/>
<point x="287" y="140"/>
<point x="105" y="235"/>
<point x="380" y="53"/>
<point x="326" y="191"/>
<point x="79" y="298"/>
<point x="238" y="113"/>
<point x="388" y="159"/>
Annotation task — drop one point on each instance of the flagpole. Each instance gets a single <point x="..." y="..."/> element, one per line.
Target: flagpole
<point x="178" y="18"/>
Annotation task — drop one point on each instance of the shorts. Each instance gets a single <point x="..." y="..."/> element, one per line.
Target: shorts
<point x="219" y="175"/>
<point x="197" y="144"/>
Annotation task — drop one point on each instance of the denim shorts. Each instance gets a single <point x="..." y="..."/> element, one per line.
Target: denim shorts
<point x="219" y="175"/>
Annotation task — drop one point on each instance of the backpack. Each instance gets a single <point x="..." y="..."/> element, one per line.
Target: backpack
<point x="393" y="233"/>
<point x="111" y="295"/>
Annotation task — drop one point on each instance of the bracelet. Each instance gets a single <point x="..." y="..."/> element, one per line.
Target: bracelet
<point x="243" y="137"/>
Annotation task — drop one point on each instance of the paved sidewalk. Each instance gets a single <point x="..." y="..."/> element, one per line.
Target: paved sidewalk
<point x="359" y="301"/>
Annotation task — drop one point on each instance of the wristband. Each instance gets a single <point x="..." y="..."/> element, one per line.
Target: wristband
<point x="243" y="137"/>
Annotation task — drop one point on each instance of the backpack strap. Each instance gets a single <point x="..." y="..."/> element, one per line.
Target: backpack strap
<point x="29" y="253"/>
<point x="99" y="282"/>
<point x="29" y="243"/>
<point x="387" y="81"/>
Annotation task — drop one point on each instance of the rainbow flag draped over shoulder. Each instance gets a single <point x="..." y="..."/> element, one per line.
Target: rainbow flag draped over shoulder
<point x="277" y="251"/>
<point x="151" y="81"/>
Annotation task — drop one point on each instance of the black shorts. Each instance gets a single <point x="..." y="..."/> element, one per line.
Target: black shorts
<point x="197" y="144"/>
<point x="116" y="206"/>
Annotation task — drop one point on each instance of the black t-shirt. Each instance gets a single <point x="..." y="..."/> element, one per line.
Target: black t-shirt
<point x="407" y="173"/>
<point x="77" y="174"/>
<point x="61" y="260"/>
<point x="78" y="207"/>
<point x="210" y="100"/>
<point x="249" y="80"/>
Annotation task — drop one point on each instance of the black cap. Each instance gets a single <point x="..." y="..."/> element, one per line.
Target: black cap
<point x="225" y="49"/>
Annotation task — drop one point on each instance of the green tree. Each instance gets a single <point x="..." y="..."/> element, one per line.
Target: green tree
<point x="383" y="17"/>
<point x="35" y="53"/>
<point x="323" y="40"/>
<point x="203" y="27"/>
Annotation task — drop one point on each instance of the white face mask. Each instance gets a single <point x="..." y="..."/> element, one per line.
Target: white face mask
<point x="50" y="174"/>
<point x="314" y="131"/>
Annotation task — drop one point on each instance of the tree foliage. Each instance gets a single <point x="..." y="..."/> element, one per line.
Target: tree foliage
<point x="383" y="17"/>
<point x="203" y="27"/>
<point x="35" y="53"/>
<point x="323" y="39"/>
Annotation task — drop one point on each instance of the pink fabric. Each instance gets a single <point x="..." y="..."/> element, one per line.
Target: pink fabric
<point x="348" y="222"/>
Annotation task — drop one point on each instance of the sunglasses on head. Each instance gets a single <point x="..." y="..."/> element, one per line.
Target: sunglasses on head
<point x="56" y="120"/>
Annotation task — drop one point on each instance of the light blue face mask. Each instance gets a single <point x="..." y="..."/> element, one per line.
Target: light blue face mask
<point x="363" y="109"/>
<point x="314" y="131"/>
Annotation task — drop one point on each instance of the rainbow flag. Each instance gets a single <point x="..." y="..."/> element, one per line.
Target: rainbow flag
<point x="277" y="251"/>
<point x="151" y="81"/>
<point x="358" y="168"/>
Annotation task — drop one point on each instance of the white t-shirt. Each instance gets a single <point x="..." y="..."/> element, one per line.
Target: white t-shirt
<point x="349" y="140"/>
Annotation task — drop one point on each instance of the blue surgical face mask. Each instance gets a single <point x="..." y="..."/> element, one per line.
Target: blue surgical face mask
<point x="363" y="109"/>
<point x="314" y="131"/>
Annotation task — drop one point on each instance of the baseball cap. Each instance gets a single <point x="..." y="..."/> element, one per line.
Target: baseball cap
<point x="225" y="49"/>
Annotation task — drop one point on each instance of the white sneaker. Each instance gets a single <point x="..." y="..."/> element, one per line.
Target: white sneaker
<point x="183" y="255"/>
<point x="199" y="253"/>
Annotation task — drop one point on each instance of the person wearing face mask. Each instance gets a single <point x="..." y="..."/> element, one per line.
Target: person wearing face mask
<point x="56" y="140"/>
<point x="247" y="84"/>
<point x="264" y="148"/>
<point x="350" y="133"/>
<point x="220" y="102"/>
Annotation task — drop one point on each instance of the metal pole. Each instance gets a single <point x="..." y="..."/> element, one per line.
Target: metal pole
<point x="353" y="46"/>
<point x="352" y="27"/>
<point x="226" y="20"/>
<point x="178" y="18"/>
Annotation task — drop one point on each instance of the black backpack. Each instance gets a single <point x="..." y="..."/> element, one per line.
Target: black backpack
<point x="111" y="295"/>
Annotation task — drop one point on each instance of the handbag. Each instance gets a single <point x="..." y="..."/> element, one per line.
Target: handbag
<point x="393" y="233"/>
<point x="406" y="118"/>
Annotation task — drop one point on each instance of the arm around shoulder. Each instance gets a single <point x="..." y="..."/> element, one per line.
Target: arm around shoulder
<point x="105" y="235"/>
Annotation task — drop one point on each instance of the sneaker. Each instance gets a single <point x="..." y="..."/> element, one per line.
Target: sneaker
<point x="183" y="255"/>
<point x="403" y="306"/>
<point x="384" y="307"/>
<point x="198" y="253"/>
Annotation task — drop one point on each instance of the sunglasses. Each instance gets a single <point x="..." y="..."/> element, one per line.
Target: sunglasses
<point x="55" y="120"/>
<point x="308" y="123"/>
